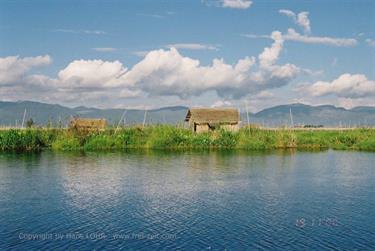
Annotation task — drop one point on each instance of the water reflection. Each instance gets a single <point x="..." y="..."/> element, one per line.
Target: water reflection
<point x="220" y="199"/>
<point x="26" y="160"/>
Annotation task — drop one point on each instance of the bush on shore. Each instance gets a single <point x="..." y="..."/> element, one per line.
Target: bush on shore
<point x="29" y="139"/>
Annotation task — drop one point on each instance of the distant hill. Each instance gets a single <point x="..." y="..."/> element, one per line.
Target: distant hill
<point x="327" y="115"/>
<point x="11" y="113"/>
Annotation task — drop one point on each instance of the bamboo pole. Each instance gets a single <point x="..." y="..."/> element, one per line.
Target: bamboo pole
<point x="247" y="114"/>
<point x="122" y="117"/>
<point x="291" y="117"/>
<point x="23" y="119"/>
<point x="144" y="118"/>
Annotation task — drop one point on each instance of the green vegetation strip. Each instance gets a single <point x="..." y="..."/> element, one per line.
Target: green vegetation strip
<point x="172" y="137"/>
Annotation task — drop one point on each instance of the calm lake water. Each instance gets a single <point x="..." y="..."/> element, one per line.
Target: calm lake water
<point x="188" y="201"/>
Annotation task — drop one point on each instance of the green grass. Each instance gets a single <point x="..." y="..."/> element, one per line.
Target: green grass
<point x="66" y="141"/>
<point x="172" y="137"/>
<point x="30" y="139"/>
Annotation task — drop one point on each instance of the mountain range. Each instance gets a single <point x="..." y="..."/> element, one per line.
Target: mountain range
<point x="11" y="114"/>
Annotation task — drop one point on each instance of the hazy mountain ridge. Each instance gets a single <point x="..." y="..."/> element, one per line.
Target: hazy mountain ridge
<point x="316" y="115"/>
<point x="11" y="113"/>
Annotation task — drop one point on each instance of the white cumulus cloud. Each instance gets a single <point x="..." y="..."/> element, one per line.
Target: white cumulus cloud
<point x="92" y="73"/>
<point x="167" y="72"/>
<point x="270" y="54"/>
<point x="163" y="72"/>
<point x="14" y="68"/>
<point x="346" y="85"/>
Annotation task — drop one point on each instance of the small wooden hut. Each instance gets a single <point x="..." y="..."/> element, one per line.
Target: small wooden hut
<point x="87" y="124"/>
<point x="209" y="119"/>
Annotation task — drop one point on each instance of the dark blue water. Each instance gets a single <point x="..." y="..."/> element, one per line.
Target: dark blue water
<point x="188" y="201"/>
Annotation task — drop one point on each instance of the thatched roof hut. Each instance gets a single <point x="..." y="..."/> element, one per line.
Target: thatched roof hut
<point x="205" y="119"/>
<point x="88" y="124"/>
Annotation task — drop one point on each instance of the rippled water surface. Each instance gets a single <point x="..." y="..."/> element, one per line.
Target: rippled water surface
<point x="188" y="201"/>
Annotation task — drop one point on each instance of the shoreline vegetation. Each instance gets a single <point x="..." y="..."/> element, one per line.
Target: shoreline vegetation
<point x="173" y="137"/>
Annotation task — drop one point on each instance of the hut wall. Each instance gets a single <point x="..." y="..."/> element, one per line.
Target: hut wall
<point x="206" y="128"/>
<point x="201" y="128"/>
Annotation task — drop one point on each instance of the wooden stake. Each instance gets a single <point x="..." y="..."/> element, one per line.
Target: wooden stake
<point x="247" y="114"/>
<point x="122" y="117"/>
<point x="291" y="117"/>
<point x="144" y="118"/>
<point x="23" y="119"/>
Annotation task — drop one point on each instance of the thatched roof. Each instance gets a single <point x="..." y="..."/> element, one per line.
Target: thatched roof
<point x="88" y="123"/>
<point x="213" y="115"/>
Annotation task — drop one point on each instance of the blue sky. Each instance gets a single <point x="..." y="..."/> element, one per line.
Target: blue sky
<point x="53" y="50"/>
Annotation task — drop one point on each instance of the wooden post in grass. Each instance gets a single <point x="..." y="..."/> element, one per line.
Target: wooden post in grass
<point x="247" y="114"/>
<point x="122" y="117"/>
<point x="291" y="117"/>
<point x="144" y="118"/>
<point x="23" y="119"/>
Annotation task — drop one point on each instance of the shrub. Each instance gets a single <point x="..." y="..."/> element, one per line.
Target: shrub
<point x="346" y="139"/>
<point x="48" y="136"/>
<point x="162" y="137"/>
<point x="66" y="141"/>
<point x="103" y="142"/>
<point x="201" y="140"/>
<point x="226" y="139"/>
<point x="312" y="140"/>
<point x="133" y="137"/>
<point x="285" y="139"/>
<point x="256" y="139"/>
<point x="367" y="144"/>
<point x="15" y="139"/>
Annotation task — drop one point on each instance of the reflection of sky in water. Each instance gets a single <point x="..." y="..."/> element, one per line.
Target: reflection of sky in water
<point x="88" y="183"/>
<point x="217" y="199"/>
<point x="159" y="182"/>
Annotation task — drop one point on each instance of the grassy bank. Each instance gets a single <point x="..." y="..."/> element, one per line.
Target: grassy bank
<point x="170" y="137"/>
